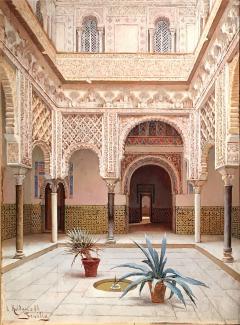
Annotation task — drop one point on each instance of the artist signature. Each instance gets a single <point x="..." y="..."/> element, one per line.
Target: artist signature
<point x="32" y="312"/>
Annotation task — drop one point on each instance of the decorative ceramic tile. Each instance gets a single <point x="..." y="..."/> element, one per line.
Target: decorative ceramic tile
<point x="236" y="222"/>
<point x="94" y="218"/>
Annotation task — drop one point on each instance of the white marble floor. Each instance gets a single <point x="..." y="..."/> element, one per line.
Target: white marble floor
<point x="213" y="244"/>
<point x="50" y="287"/>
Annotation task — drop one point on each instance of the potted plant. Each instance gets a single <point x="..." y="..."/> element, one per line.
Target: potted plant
<point x="81" y="242"/>
<point x="158" y="277"/>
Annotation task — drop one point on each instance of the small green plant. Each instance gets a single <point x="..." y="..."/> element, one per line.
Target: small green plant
<point x="154" y="271"/>
<point x="81" y="242"/>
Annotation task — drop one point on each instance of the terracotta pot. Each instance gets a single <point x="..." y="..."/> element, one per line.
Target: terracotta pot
<point x="90" y="266"/>
<point x="158" y="293"/>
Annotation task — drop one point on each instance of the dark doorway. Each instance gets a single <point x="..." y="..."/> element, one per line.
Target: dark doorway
<point x="150" y="199"/>
<point x="61" y="207"/>
<point x="146" y="207"/>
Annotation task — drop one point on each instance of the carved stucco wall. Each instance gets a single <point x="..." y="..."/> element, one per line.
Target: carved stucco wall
<point x="116" y="126"/>
<point x="123" y="19"/>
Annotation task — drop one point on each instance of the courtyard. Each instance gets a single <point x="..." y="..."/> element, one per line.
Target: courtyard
<point x="52" y="290"/>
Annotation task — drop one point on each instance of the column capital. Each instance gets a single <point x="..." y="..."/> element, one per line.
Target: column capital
<point x="227" y="175"/>
<point x="111" y="182"/>
<point x="19" y="174"/>
<point x="197" y="185"/>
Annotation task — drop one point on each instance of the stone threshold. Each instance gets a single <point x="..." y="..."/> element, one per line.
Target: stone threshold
<point x="220" y="263"/>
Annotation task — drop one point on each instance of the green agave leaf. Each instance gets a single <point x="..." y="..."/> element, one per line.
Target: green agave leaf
<point x="175" y="290"/>
<point x="133" y="266"/>
<point x="147" y="254"/>
<point x="132" y="274"/>
<point x="181" y="282"/>
<point x="153" y="253"/>
<point x="143" y="284"/>
<point x="194" y="282"/>
<point x="155" y="282"/>
<point x="132" y="285"/>
<point x="161" y="267"/>
<point x="172" y="292"/>
<point x="163" y="248"/>
<point x="170" y="270"/>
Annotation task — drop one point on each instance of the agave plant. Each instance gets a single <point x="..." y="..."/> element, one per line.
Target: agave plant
<point x="81" y="242"/>
<point x="153" y="270"/>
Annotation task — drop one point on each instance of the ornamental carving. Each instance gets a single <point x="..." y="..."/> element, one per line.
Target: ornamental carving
<point x="25" y="94"/>
<point x="181" y="124"/>
<point x="124" y="67"/>
<point x="41" y="121"/>
<point x="154" y="133"/>
<point x="227" y="33"/>
<point x="152" y="160"/>
<point x="93" y="98"/>
<point x="220" y="124"/>
<point x="173" y="158"/>
<point x="81" y="132"/>
<point x="13" y="153"/>
<point x="207" y="132"/>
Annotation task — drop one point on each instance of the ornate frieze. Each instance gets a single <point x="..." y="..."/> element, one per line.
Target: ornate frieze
<point x="227" y="34"/>
<point x="124" y="67"/>
<point x="137" y="98"/>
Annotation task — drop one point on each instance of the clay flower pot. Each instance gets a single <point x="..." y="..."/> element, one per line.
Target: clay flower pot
<point x="157" y="295"/>
<point x="90" y="266"/>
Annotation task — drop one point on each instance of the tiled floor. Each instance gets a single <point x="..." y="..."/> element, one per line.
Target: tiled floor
<point x="211" y="243"/>
<point x="48" y="284"/>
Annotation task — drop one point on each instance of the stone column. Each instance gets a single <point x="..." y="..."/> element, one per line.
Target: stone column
<point x="111" y="185"/>
<point x="172" y="31"/>
<point x="227" y="177"/>
<point x="19" y="176"/>
<point x="78" y="39"/>
<point x="100" y="37"/>
<point x="197" y="210"/>
<point x="54" y="213"/>
<point x="151" y="33"/>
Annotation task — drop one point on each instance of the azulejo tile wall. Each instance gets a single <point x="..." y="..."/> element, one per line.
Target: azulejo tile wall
<point x="185" y="220"/>
<point x="212" y="221"/>
<point x="31" y="219"/>
<point x="94" y="218"/>
<point x="236" y="222"/>
<point x="90" y="217"/>
<point x="121" y="222"/>
<point x="8" y="221"/>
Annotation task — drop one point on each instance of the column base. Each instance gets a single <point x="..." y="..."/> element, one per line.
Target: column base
<point x="197" y="240"/>
<point x="110" y="241"/>
<point x="227" y="257"/>
<point x="19" y="255"/>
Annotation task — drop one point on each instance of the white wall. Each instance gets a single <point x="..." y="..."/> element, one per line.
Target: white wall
<point x="88" y="186"/>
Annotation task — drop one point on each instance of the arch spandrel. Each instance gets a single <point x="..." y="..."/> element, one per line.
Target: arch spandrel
<point x="180" y="124"/>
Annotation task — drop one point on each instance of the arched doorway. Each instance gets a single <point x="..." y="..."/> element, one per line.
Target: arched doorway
<point x="150" y="197"/>
<point x="60" y="208"/>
